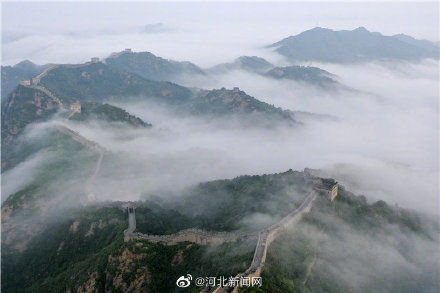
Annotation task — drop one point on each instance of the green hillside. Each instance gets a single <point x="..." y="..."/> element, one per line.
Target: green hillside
<point x="221" y="102"/>
<point x="84" y="248"/>
<point x="24" y="106"/>
<point x="347" y="237"/>
<point x="27" y="105"/>
<point x="99" y="82"/>
<point x="108" y="113"/>
<point x="252" y="64"/>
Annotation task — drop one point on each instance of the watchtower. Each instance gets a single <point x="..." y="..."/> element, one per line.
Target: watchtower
<point x="327" y="185"/>
<point x="25" y="82"/>
<point x="76" y="107"/>
<point x="334" y="192"/>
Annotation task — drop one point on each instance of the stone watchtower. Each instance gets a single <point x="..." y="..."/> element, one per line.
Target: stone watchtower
<point x="25" y="82"/>
<point x="326" y="185"/>
<point x="334" y="192"/>
<point x="75" y="107"/>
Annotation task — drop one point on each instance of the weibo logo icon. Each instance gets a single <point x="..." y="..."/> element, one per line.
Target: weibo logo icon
<point x="183" y="282"/>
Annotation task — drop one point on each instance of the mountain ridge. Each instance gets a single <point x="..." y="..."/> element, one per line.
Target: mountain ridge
<point x="345" y="46"/>
<point x="150" y="66"/>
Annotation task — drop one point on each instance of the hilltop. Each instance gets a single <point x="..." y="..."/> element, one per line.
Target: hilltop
<point x="223" y="102"/>
<point x="98" y="82"/>
<point x="152" y="67"/>
<point x="252" y="64"/>
<point x="257" y="65"/>
<point x="308" y="74"/>
<point x="108" y="113"/>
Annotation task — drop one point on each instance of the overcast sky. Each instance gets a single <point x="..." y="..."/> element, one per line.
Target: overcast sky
<point x="200" y="32"/>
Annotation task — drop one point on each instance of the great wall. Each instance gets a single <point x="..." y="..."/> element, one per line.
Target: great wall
<point x="35" y="81"/>
<point x="265" y="236"/>
<point x="74" y="108"/>
<point x="90" y="197"/>
<point x="81" y="139"/>
<point x="201" y="237"/>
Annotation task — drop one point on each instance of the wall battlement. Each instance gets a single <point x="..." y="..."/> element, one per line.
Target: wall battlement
<point x="25" y="82"/>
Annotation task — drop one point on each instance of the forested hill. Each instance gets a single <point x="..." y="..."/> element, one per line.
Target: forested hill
<point x="152" y="67"/>
<point x="226" y="102"/>
<point x="98" y="82"/>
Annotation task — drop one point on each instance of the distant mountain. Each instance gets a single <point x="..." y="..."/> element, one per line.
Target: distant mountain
<point x="305" y="117"/>
<point x="258" y="65"/>
<point x="419" y="43"/>
<point x="156" y="28"/>
<point x="313" y="75"/>
<point x="326" y="45"/>
<point x="152" y="67"/>
<point x="11" y="75"/>
<point x="248" y="63"/>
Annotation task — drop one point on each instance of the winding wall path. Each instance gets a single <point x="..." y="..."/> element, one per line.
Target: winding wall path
<point x="90" y="145"/>
<point x="265" y="238"/>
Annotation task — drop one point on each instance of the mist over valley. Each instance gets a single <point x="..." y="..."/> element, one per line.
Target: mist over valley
<point x="304" y="156"/>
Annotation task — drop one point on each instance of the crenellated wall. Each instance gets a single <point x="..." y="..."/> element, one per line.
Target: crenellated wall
<point x="197" y="236"/>
<point x="265" y="236"/>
